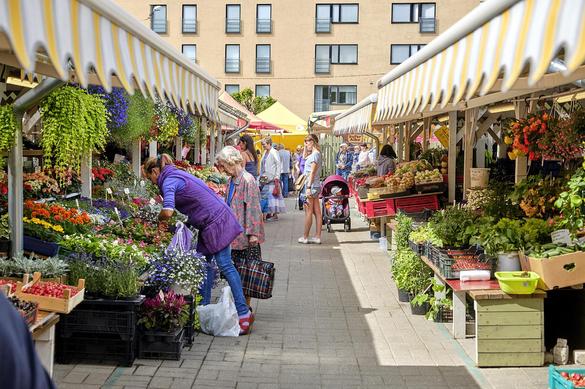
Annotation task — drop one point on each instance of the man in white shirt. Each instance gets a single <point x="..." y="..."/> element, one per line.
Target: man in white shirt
<point x="285" y="159"/>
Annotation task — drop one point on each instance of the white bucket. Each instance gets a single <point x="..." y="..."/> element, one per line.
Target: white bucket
<point x="383" y="242"/>
<point x="508" y="262"/>
<point x="480" y="177"/>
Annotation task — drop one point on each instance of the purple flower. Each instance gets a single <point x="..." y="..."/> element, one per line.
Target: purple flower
<point x="116" y="103"/>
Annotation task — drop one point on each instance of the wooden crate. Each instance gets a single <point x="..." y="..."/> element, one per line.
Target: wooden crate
<point x="51" y="304"/>
<point x="510" y="332"/>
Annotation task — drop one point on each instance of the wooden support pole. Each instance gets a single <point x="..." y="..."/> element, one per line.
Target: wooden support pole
<point x="400" y="145"/>
<point x="136" y="151"/>
<point x="212" y="129"/>
<point x="452" y="158"/>
<point x="406" y="138"/>
<point x="426" y="133"/>
<point x="179" y="148"/>
<point x="204" y="144"/>
<point x="152" y="149"/>
<point x="471" y="116"/>
<point x="521" y="162"/>
<point x="86" y="176"/>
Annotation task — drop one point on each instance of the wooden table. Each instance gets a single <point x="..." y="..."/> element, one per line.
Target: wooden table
<point x="43" y="333"/>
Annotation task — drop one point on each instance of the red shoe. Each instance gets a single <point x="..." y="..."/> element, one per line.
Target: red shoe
<point x="246" y="324"/>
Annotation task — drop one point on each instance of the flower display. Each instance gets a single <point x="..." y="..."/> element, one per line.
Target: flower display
<point x="109" y="248"/>
<point x="185" y="269"/>
<point x="116" y="104"/>
<point x="42" y="229"/>
<point x="165" y="312"/>
<point x="72" y="220"/>
<point x="101" y="174"/>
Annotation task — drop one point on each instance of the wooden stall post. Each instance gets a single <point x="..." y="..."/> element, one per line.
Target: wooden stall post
<point x="212" y="142"/>
<point x="521" y="170"/>
<point x="204" y="144"/>
<point x="152" y="149"/>
<point x="136" y="152"/>
<point x="86" y="176"/>
<point x="179" y="148"/>
<point x="400" y="145"/>
<point x="471" y="116"/>
<point x="452" y="157"/>
<point x="426" y="133"/>
<point x="406" y="139"/>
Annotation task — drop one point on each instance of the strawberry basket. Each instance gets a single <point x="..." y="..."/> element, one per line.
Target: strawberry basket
<point x="51" y="296"/>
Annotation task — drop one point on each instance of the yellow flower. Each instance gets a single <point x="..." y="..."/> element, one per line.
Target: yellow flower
<point x="58" y="228"/>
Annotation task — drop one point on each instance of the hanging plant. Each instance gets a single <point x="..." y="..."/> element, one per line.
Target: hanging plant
<point x="7" y="130"/>
<point x="74" y="126"/>
<point x="138" y="121"/>
<point x="117" y="104"/>
<point x="165" y="126"/>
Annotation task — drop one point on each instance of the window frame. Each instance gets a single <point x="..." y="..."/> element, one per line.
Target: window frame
<point x="410" y="53"/>
<point x="330" y="46"/>
<point x="269" y="58"/>
<point x="228" y="85"/>
<point x="226" y="58"/>
<point x="419" y="5"/>
<point x="183" y="18"/>
<point x="152" y="18"/>
<point x="331" y="5"/>
<point x="256" y="89"/>
<point x="270" y="18"/>
<point x="189" y="44"/>
<point x="227" y="6"/>
<point x="336" y="87"/>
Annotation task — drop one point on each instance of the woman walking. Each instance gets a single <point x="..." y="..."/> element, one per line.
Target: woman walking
<point x="249" y="156"/>
<point x="243" y="197"/>
<point x="311" y="190"/>
<point x="217" y="225"/>
<point x="270" y="169"/>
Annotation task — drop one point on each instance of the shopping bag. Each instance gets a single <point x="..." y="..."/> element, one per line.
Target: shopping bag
<point x="257" y="278"/>
<point x="182" y="240"/>
<point x="300" y="182"/>
<point x="220" y="319"/>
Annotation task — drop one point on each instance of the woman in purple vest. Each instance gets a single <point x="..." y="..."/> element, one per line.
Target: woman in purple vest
<point x="217" y="225"/>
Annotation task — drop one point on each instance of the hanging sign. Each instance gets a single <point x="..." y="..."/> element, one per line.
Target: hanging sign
<point x="355" y="138"/>
<point x="442" y="135"/>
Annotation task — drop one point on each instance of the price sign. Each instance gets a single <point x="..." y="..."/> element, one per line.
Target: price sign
<point x="109" y="191"/>
<point x="77" y="203"/>
<point x="152" y="202"/>
<point x="118" y="214"/>
<point x="561" y="237"/>
<point x="127" y="191"/>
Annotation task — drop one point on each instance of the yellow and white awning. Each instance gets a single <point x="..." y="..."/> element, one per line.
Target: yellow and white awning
<point x="486" y="51"/>
<point x="98" y="38"/>
<point x="356" y="119"/>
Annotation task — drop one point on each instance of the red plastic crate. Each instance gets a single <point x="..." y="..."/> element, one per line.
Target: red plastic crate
<point x="380" y="208"/>
<point x="417" y="203"/>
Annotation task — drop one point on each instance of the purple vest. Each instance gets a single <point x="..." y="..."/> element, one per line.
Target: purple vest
<point x="214" y="219"/>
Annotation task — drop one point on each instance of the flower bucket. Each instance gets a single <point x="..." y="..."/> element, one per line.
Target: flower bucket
<point x="403" y="295"/>
<point x="419" y="309"/>
<point x="480" y="177"/>
<point x="508" y="262"/>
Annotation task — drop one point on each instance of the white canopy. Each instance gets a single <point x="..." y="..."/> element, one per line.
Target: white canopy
<point x="356" y="119"/>
<point x="98" y="38"/>
<point x="487" y="50"/>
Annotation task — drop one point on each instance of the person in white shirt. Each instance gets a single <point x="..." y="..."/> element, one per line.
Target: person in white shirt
<point x="364" y="157"/>
<point x="270" y="190"/>
<point x="285" y="159"/>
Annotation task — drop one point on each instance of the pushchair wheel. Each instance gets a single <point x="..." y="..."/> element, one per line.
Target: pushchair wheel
<point x="347" y="226"/>
<point x="329" y="229"/>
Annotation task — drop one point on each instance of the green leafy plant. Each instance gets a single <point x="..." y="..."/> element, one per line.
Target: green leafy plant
<point x="7" y="129"/>
<point x="430" y="296"/>
<point x="451" y="226"/>
<point x="140" y="114"/>
<point x="20" y="264"/>
<point x="254" y="104"/>
<point x="74" y="126"/>
<point x="108" y="279"/>
<point x="403" y="229"/>
<point x="109" y="248"/>
<point x="4" y="227"/>
<point x="409" y="272"/>
<point x="571" y="202"/>
<point x="502" y="237"/>
<point x="165" y="126"/>
<point x="425" y="234"/>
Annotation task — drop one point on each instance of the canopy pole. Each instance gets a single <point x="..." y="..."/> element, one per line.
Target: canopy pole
<point x="136" y="151"/>
<point x="15" y="160"/>
<point x="203" y="159"/>
<point x="179" y="148"/>
<point x="521" y="169"/>
<point x="469" y="141"/>
<point x="452" y="158"/>
<point x="400" y="150"/>
<point x="406" y="138"/>
<point x="426" y="133"/>
<point x="152" y="149"/>
<point x="86" y="182"/>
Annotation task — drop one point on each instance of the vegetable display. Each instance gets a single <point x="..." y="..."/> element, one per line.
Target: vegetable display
<point x="428" y="177"/>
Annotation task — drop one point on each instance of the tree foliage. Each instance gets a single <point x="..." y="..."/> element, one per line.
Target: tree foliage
<point x="254" y="104"/>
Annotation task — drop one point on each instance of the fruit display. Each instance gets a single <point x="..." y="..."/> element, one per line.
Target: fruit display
<point x="470" y="264"/>
<point x="50" y="289"/>
<point x="9" y="282"/>
<point x="400" y="182"/>
<point x="413" y="166"/>
<point x="428" y="177"/>
<point x="27" y="309"/>
<point x="577" y="379"/>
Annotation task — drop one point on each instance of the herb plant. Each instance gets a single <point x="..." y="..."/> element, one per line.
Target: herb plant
<point x="403" y="229"/>
<point x="430" y="296"/>
<point x="571" y="202"/>
<point x="7" y="129"/>
<point x="451" y="226"/>
<point x="409" y="272"/>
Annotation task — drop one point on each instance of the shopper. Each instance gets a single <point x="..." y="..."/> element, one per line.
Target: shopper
<point x="270" y="169"/>
<point x="243" y="197"/>
<point x="343" y="161"/>
<point x="311" y="190"/>
<point x="296" y="170"/>
<point x="386" y="162"/>
<point x="285" y="160"/>
<point x="217" y="224"/>
<point x="356" y="156"/>
<point x="364" y="157"/>
<point x="249" y="156"/>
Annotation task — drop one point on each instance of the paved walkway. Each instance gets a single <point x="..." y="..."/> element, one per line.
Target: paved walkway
<point x="334" y="322"/>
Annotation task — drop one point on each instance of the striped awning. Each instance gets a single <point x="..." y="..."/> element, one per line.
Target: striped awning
<point x="356" y="119"/>
<point x="486" y="51"/>
<point x="96" y="41"/>
<point x="228" y="121"/>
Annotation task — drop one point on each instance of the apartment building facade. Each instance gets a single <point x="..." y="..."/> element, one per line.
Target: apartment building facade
<point x="312" y="55"/>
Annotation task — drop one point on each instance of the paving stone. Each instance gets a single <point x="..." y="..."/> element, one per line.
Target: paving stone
<point x="75" y="377"/>
<point x="146" y="370"/>
<point x="160" y="383"/>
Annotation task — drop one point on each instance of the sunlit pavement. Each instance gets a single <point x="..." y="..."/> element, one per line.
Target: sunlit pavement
<point x="334" y="322"/>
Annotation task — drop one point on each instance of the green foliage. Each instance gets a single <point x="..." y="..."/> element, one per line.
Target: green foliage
<point x="403" y="229"/>
<point x="140" y="114"/>
<point x="19" y="265"/>
<point x="165" y="126"/>
<point x="425" y="234"/>
<point x="193" y="135"/>
<point x="429" y="296"/>
<point x="451" y="226"/>
<point x="571" y="202"/>
<point x="7" y="129"/>
<point x="110" y="281"/>
<point x="410" y="272"/>
<point x="434" y="156"/>
<point x="4" y="227"/>
<point x="74" y="126"/>
<point x="253" y="104"/>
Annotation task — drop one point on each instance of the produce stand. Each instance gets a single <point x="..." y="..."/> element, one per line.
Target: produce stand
<point x="43" y="333"/>
<point x="411" y="204"/>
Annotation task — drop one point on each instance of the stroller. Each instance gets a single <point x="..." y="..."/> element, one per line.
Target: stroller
<point x="335" y="202"/>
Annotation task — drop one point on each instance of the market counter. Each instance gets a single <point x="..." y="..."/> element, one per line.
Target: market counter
<point x="43" y="333"/>
<point x="388" y="207"/>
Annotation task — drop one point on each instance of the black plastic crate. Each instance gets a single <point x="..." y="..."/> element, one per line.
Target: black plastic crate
<point x="418" y="248"/>
<point x="448" y="257"/>
<point x="161" y="345"/>
<point x="189" y="333"/>
<point x="102" y="348"/>
<point x="445" y="315"/>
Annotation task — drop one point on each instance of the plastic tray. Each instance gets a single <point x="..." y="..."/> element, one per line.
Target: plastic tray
<point x="555" y="381"/>
<point x="511" y="282"/>
<point x="154" y="345"/>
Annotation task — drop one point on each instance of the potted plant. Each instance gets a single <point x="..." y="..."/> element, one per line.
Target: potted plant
<point x="502" y="240"/>
<point x="451" y="226"/>
<point x="434" y="300"/>
<point x="410" y="272"/>
<point x="40" y="236"/>
<point x="162" y="319"/>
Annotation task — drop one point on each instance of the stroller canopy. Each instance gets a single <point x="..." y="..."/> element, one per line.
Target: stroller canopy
<point x="333" y="181"/>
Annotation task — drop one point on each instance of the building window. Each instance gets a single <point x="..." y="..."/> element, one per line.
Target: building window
<point x="158" y="18"/>
<point x="262" y="90"/>
<point x="263" y="18"/>
<point x="422" y="13"/>
<point x="334" y="54"/>
<point x="326" y="95"/>
<point x="233" y="18"/>
<point x="326" y="14"/>
<point x="232" y="88"/>
<point x="189" y="19"/>
<point x="232" y="58"/>
<point x="400" y="53"/>
<point x="190" y="51"/>
<point x="263" y="59"/>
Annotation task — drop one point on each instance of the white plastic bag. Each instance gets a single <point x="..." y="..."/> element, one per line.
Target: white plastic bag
<point x="220" y="319"/>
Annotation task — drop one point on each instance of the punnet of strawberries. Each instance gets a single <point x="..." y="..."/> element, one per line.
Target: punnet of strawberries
<point x="50" y="289"/>
<point x="577" y="379"/>
<point x="9" y="282"/>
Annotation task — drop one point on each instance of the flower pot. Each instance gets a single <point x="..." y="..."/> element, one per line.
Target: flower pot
<point x="41" y="247"/>
<point x="419" y="309"/>
<point x="480" y="177"/>
<point x="508" y="262"/>
<point x="403" y="295"/>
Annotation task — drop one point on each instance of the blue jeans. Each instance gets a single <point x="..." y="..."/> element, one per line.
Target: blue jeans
<point x="284" y="183"/>
<point x="227" y="268"/>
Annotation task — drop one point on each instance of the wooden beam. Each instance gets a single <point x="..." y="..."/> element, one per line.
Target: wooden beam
<point x="400" y="145"/>
<point x="179" y="148"/>
<point x="152" y="149"/>
<point x="521" y="170"/>
<point x="136" y="151"/>
<point x="426" y="133"/>
<point x="452" y="161"/>
<point x="414" y="134"/>
<point x="471" y="116"/>
<point x="406" y="139"/>
<point x="486" y="124"/>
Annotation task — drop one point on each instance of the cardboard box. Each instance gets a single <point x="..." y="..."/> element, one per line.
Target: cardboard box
<point x="557" y="272"/>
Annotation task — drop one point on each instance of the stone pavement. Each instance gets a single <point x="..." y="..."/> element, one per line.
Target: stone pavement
<point x="334" y="322"/>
